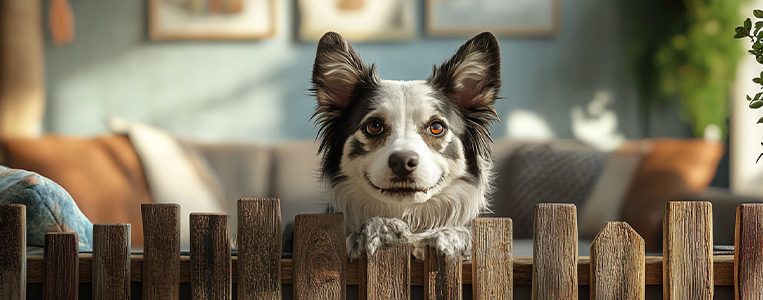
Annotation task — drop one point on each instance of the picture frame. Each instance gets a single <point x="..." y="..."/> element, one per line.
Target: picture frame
<point x="504" y="18"/>
<point x="211" y="19"/>
<point x="358" y="20"/>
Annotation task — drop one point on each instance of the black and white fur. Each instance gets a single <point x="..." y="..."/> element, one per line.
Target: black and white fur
<point x="407" y="160"/>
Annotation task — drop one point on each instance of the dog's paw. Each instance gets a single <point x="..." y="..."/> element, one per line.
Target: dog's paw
<point x="450" y="241"/>
<point x="374" y="233"/>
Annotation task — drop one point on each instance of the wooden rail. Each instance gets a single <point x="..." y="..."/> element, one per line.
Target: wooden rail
<point x="320" y="269"/>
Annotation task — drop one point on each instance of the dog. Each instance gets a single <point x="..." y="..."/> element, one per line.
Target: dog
<point x="407" y="160"/>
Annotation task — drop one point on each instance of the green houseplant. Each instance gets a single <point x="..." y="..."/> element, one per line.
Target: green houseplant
<point x="755" y="34"/>
<point x="677" y="52"/>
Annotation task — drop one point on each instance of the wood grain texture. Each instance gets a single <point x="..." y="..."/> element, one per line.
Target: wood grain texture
<point x="61" y="266"/>
<point x="688" y="250"/>
<point x="617" y="263"/>
<point x="259" y="249"/>
<point x="210" y="256"/>
<point x="161" y="251"/>
<point x="387" y="273"/>
<point x="111" y="261"/>
<point x="13" y="261"/>
<point x="442" y="280"/>
<point x="748" y="259"/>
<point x="723" y="270"/>
<point x="555" y="252"/>
<point x="320" y="257"/>
<point x="492" y="267"/>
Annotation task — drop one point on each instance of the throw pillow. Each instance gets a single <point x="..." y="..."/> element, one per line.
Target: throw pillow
<point x="49" y="208"/>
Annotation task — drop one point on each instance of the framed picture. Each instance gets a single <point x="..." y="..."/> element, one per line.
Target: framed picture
<point x="358" y="20"/>
<point x="505" y="18"/>
<point x="211" y="19"/>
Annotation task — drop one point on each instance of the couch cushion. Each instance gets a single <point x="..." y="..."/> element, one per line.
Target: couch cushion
<point x="544" y="172"/>
<point x="103" y="174"/>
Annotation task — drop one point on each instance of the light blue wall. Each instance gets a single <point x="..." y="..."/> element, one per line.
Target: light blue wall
<point x="257" y="90"/>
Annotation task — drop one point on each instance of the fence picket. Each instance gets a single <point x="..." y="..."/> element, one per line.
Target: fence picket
<point x="387" y="273"/>
<point x="13" y="252"/>
<point x="111" y="261"/>
<point x="210" y="256"/>
<point x="617" y="263"/>
<point x="442" y="280"/>
<point x="747" y="256"/>
<point x="61" y="255"/>
<point x="161" y="251"/>
<point x="555" y="252"/>
<point x="320" y="257"/>
<point x="688" y="250"/>
<point x="492" y="267"/>
<point x="259" y="249"/>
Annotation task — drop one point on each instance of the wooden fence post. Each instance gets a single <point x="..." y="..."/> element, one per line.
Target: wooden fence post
<point x="61" y="256"/>
<point x="617" y="263"/>
<point x="210" y="256"/>
<point x="442" y="280"/>
<point x="687" y="251"/>
<point x="320" y="257"/>
<point x="748" y="259"/>
<point x="555" y="252"/>
<point x="13" y="252"/>
<point x="111" y="261"/>
<point x="259" y="249"/>
<point x="387" y="273"/>
<point x="492" y="267"/>
<point x="161" y="251"/>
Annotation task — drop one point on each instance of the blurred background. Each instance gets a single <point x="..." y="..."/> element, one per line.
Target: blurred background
<point x="599" y="72"/>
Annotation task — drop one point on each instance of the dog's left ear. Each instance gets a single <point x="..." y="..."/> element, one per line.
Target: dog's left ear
<point x="473" y="74"/>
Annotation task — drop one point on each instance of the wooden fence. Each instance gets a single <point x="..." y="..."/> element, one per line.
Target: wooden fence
<point x="319" y="269"/>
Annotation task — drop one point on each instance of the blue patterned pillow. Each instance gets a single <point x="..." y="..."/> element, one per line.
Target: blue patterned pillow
<point x="49" y="208"/>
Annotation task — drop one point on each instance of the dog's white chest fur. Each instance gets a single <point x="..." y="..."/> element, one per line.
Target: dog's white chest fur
<point x="407" y="159"/>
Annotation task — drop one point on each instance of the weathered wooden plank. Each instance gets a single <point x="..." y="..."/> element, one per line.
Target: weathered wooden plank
<point x="492" y="267"/>
<point x="111" y="261"/>
<point x="748" y="259"/>
<point x="617" y="263"/>
<point x="387" y="273"/>
<point x="61" y="280"/>
<point x="442" y="280"/>
<point x="13" y="252"/>
<point x="320" y="257"/>
<point x="161" y="251"/>
<point x="210" y="256"/>
<point x="555" y="252"/>
<point x="688" y="251"/>
<point x="259" y="249"/>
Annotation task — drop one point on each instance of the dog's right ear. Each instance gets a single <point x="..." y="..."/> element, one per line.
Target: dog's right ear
<point x="337" y="70"/>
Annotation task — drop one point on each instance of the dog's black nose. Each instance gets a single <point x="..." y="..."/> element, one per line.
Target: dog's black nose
<point x="403" y="163"/>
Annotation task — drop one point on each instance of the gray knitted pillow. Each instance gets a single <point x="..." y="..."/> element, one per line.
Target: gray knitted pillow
<point x="554" y="172"/>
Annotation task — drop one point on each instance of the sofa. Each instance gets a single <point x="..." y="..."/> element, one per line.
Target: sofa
<point x="109" y="176"/>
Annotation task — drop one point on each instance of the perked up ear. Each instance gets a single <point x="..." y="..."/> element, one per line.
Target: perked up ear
<point x="337" y="70"/>
<point x="473" y="74"/>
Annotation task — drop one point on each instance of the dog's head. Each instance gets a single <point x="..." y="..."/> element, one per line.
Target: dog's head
<point x="405" y="141"/>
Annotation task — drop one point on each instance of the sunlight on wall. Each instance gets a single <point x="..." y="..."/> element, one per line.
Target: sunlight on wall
<point x="523" y="124"/>
<point x="597" y="124"/>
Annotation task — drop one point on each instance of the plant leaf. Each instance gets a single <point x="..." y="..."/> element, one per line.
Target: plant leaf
<point x="748" y="98"/>
<point x="756" y="80"/>
<point x="760" y="121"/>
<point x="756" y="104"/>
<point x="747" y="24"/>
<point x="761" y="155"/>
<point x="757" y="13"/>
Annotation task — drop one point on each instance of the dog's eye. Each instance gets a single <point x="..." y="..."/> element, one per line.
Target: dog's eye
<point x="436" y="128"/>
<point x="374" y="127"/>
